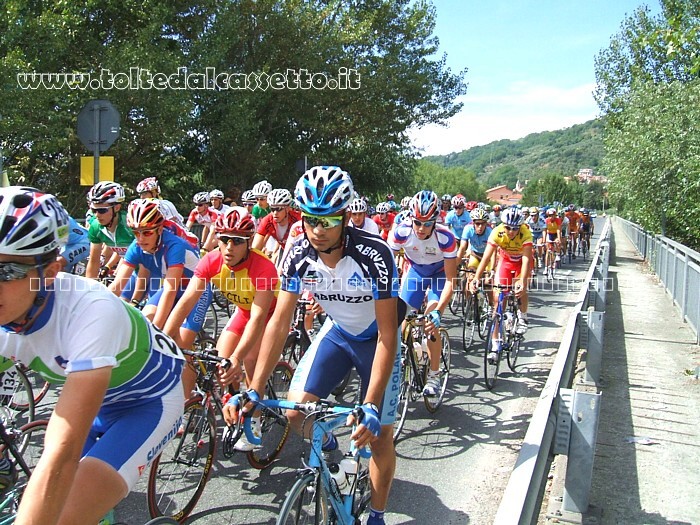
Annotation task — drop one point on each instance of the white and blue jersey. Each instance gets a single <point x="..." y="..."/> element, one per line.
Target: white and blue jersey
<point x="78" y="246"/>
<point x="427" y="256"/>
<point x="457" y="223"/>
<point x="366" y="273"/>
<point x="536" y="227"/>
<point x="477" y="243"/>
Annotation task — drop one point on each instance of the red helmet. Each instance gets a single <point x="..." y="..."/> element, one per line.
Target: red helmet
<point x="144" y="214"/>
<point x="235" y="221"/>
<point x="471" y="205"/>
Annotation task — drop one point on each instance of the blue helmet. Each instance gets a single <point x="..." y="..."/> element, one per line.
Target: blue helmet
<point x="324" y="190"/>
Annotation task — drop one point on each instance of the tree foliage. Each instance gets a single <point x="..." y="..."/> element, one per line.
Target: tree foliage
<point x="201" y="137"/>
<point x="649" y="87"/>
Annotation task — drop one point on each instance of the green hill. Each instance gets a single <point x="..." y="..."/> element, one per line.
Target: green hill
<point x="562" y="152"/>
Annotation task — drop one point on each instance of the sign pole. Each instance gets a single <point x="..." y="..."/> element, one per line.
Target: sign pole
<point x="96" y="153"/>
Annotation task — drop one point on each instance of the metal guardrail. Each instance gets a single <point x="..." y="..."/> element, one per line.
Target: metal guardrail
<point x="522" y="498"/>
<point x="677" y="266"/>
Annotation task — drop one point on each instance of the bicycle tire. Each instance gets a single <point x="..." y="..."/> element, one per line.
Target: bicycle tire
<point x="432" y="403"/>
<point x="275" y="426"/>
<point x="306" y="503"/>
<point x="469" y="324"/>
<point x="456" y="302"/>
<point x="21" y="400"/>
<point x="180" y="472"/>
<point x="39" y="385"/>
<point x="405" y="390"/>
<point x="482" y="308"/>
<point x="163" y="520"/>
<point x="340" y="387"/>
<point x="491" y="368"/>
<point x="514" y="351"/>
<point x="211" y="320"/>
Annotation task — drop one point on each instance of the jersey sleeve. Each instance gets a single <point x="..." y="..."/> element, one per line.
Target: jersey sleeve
<point x="133" y="255"/>
<point x="264" y="274"/>
<point x="209" y="265"/>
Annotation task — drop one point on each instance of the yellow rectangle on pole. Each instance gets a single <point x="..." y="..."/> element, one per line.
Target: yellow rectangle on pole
<point x="87" y="170"/>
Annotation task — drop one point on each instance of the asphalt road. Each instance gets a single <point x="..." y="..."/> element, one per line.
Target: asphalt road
<point x="452" y="465"/>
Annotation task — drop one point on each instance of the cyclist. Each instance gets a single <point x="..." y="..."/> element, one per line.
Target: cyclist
<point x="431" y="250"/>
<point x="76" y="250"/>
<point x="352" y="275"/>
<point x="586" y="227"/>
<point x="120" y="375"/>
<point x="405" y="203"/>
<point x="495" y="216"/>
<point x="168" y="260"/>
<point x="149" y="188"/>
<point x="474" y="239"/>
<point x="274" y="228"/>
<point x="249" y="281"/>
<point x="537" y="226"/>
<point x="513" y="240"/>
<point x="574" y="220"/>
<point x="216" y="197"/>
<point x="445" y="203"/>
<point x="391" y="202"/>
<point x="457" y="219"/>
<point x="359" y="219"/>
<point x="202" y="214"/>
<point x="553" y="229"/>
<point x="260" y="191"/>
<point x="108" y="226"/>
<point x="564" y="231"/>
<point x="384" y="219"/>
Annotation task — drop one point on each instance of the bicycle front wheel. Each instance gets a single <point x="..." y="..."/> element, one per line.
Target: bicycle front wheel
<point x="275" y="426"/>
<point x="433" y="403"/>
<point x="306" y="503"/>
<point x="513" y="351"/>
<point x="179" y="474"/>
<point x="405" y="390"/>
<point x="469" y="323"/>
<point x="491" y="365"/>
<point x="482" y="313"/>
<point x="17" y="395"/>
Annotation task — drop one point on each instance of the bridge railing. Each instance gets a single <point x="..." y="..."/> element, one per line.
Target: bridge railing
<point x="522" y="499"/>
<point x="676" y="265"/>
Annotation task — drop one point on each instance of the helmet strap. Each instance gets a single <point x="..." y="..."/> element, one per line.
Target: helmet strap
<point x="339" y="244"/>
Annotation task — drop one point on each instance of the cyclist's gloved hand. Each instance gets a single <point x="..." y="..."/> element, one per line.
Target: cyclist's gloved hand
<point x="434" y="317"/>
<point x="239" y="403"/>
<point x="370" y="419"/>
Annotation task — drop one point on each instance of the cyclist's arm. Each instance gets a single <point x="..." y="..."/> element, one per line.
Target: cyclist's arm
<point x="93" y="265"/>
<point x="489" y="253"/>
<point x="121" y="278"/>
<point x="463" y="245"/>
<point x="525" y="266"/>
<point x="171" y="283"/>
<point x="209" y="241"/>
<point x="273" y="339"/>
<point x="184" y="306"/>
<point x="259" y="241"/>
<point x="54" y="475"/>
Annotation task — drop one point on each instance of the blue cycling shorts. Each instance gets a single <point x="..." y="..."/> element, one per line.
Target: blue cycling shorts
<point x="414" y="288"/>
<point x="195" y="319"/>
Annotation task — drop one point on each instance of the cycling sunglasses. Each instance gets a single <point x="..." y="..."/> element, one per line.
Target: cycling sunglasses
<point x="277" y="208"/>
<point x="427" y="224"/>
<point x="513" y="228"/>
<point x="327" y="222"/>
<point x="10" y="271"/>
<point x="237" y="241"/>
<point x="101" y="210"/>
<point x="144" y="233"/>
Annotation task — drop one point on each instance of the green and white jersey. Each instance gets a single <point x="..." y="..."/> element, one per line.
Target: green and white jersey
<point x="119" y="241"/>
<point x="85" y="327"/>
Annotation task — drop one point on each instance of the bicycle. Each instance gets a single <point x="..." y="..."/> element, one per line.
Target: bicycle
<point x="179" y="474"/>
<point x="323" y="492"/>
<point x="415" y="365"/>
<point x="23" y="446"/>
<point x="550" y="261"/>
<point x="503" y="325"/>
<point x="458" y="301"/>
<point x="17" y="394"/>
<point x="476" y="317"/>
<point x="585" y="243"/>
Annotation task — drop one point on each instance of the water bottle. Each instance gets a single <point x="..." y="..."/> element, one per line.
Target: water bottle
<point x="108" y="519"/>
<point x="340" y="477"/>
<point x="349" y="465"/>
<point x="418" y="351"/>
<point x="424" y="350"/>
<point x="508" y="321"/>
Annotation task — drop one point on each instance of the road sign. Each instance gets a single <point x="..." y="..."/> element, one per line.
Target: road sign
<point x="98" y="124"/>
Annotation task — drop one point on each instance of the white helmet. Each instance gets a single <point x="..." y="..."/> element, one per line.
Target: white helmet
<point x="216" y="194"/>
<point x="324" y="190"/>
<point x="383" y="207"/>
<point x="358" y="206"/>
<point x="261" y="189"/>
<point x="279" y="197"/>
<point x="31" y="222"/>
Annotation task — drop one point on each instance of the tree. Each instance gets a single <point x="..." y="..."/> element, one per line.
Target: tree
<point x="232" y="130"/>
<point x="548" y="189"/>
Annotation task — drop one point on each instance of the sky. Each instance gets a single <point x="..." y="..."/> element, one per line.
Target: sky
<point x="530" y="66"/>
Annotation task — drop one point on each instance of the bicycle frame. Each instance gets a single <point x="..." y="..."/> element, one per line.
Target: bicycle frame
<point x="329" y="418"/>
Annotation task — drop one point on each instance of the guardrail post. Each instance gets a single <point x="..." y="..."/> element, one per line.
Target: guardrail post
<point x="583" y="411"/>
<point x="594" y="350"/>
